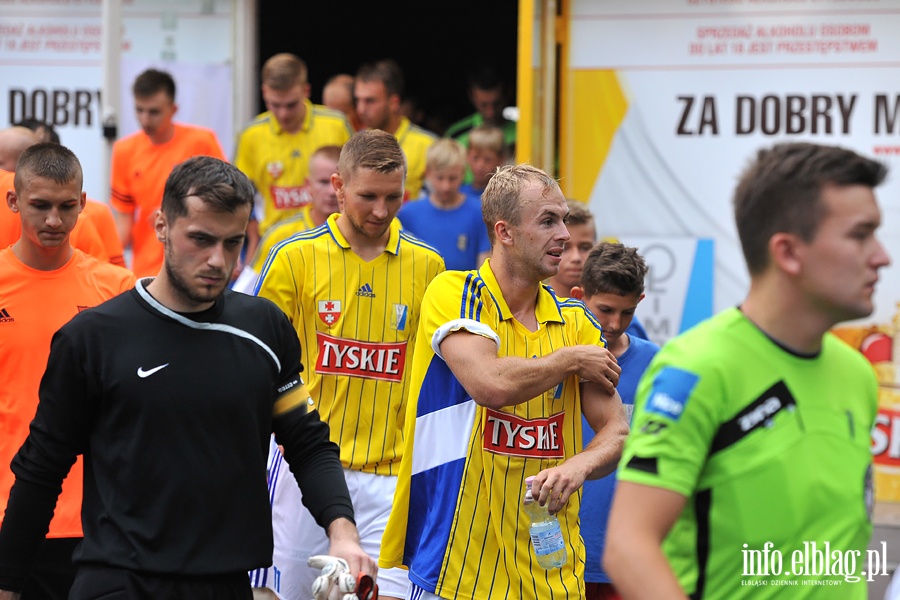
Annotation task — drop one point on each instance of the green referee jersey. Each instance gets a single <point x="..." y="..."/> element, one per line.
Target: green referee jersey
<point x="768" y="447"/>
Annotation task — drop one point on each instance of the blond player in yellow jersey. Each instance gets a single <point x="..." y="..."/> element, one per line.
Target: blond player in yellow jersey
<point x="322" y="204"/>
<point x="501" y="373"/>
<point x="274" y="150"/>
<point x="352" y="288"/>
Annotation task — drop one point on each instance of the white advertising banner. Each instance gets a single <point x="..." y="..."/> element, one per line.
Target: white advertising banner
<point x="51" y="69"/>
<point x="704" y="84"/>
<point x="678" y="288"/>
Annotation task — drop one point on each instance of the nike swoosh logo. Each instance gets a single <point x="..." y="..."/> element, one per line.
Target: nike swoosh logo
<point x="142" y="373"/>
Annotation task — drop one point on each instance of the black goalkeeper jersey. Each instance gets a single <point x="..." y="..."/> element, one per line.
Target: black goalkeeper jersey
<point x="173" y="414"/>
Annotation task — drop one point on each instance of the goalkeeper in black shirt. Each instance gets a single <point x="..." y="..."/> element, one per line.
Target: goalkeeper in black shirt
<point x="171" y="391"/>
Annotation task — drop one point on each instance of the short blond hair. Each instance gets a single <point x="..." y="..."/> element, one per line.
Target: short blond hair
<point x="283" y="71"/>
<point x="501" y="200"/>
<point x="445" y="153"/>
<point x="488" y="137"/>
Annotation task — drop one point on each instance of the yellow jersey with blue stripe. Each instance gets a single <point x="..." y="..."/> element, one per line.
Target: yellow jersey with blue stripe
<point x="356" y="321"/>
<point x="415" y="142"/>
<point x="277" y="162"/>
<point x="457" y="522"/>
<point x="278" y="233"/>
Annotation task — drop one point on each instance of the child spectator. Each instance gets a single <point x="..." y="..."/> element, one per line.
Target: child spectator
<point x="486" y="152"/>
<point x="448" y="219"/>
<point x="612" y="285"/>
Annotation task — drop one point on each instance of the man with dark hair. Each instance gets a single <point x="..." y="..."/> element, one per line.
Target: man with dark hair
<point x="502" y="372"/>
<point x="487" y="93"/>
<point x="275" y="149"/>
<point x="379" y="92"/>
<point x="142" y="161"/>
<point x="751" y="435"/>
<point x="352" y="289"/>
<point x="174" y="436"/>
<point x="44" y="282"/>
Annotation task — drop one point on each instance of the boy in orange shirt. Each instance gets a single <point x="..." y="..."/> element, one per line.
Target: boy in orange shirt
<point x="44" y="282"/>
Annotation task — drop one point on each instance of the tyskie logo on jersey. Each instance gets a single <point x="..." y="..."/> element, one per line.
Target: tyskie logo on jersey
<point x="368" y="360"/>
<point x="5" y="317"/>
<point x="365" y="291"/>
<point x="529" y="438"/>
<point x="329" y="311"/>
<point x="287" y="197"/>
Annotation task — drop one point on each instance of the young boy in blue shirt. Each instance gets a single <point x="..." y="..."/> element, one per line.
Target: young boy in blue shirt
<point x="612" y="285"/>
<point x="448" y="219"/>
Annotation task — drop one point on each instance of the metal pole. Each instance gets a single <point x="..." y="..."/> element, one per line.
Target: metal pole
<point x="111" y="27"/>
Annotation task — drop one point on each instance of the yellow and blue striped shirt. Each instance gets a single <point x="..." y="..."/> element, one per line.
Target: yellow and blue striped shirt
<point x="457" y="522"/>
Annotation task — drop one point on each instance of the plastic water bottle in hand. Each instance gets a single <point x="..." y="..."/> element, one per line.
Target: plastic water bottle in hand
<point x="546" y="535"/>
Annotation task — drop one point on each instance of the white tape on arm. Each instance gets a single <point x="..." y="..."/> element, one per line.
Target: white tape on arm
<point x="470" y="325"/>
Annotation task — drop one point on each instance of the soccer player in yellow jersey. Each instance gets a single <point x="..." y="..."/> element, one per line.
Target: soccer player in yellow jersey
<point x="352" y="288"/>
<point x="501" y="374"/>
<point x="274" y="150"/>
<point x="378" y="89"/>
<point x="322" y="204"/>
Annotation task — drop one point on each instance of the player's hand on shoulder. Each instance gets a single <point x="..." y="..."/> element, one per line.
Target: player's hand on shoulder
<point x="597" y="364"/>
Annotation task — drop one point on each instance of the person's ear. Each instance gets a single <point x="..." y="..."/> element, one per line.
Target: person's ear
<point x="161" y="225"/>
<point x="577" y="293"/>
<point x="786" y="252"/>
<point x="502" y="233"/>
<point x="337" y="182"/>
<point x="12" y="201"/>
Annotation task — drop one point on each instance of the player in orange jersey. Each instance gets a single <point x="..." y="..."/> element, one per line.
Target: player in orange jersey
<point x="141" y="162"/>
<point x="44" y="282"/>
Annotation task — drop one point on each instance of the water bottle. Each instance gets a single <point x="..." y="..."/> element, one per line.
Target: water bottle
<point x="546" y="535"/>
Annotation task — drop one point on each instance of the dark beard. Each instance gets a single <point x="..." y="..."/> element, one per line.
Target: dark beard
<point x="184" y="290"/>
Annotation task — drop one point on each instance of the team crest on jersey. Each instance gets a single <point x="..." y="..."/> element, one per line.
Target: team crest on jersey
<point x="329" y="311"/>
<point x="462" y="242"/>
<point x="399" y="317"/>
<point x="508" y="434"/>
<point x="275" y="169"/>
